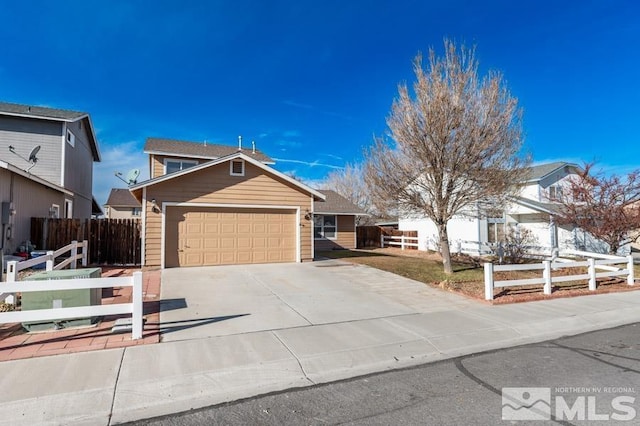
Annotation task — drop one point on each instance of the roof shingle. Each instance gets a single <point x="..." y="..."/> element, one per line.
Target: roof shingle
<point x="119" y="197"/>
<point x="198" y="149"/>
<point x="336" y="204"/>
<point x="42" y="112"/>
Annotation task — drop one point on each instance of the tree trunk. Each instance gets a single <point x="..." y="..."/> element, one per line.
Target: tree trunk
<point x="444" y="248"/>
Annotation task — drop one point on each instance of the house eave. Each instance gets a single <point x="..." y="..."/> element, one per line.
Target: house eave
<point x="202" y="157"/>
<point x="10" y="167"/>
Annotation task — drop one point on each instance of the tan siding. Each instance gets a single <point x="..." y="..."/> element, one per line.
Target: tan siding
<point x="120" y="213"/>
<point x="345" y="236"/>
<point x="214" y="186"/>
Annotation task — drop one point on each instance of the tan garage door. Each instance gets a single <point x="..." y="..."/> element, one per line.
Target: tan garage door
<point x="202" y="236"/>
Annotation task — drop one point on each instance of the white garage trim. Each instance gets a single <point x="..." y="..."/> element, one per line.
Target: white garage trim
<point x="227" y="206"/>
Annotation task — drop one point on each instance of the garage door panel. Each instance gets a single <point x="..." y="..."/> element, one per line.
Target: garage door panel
<point x="216" y="236"/>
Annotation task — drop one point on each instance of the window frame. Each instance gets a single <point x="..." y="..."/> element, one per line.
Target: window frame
<point x="136" y="211"/>
<point x="182" y="162"/>
<point x="71" y="138"/>
<point x="323" y="226"/>
<point x="68" y="209"/>
<point x="231" y="163"/>
<point x="54" y="211"/>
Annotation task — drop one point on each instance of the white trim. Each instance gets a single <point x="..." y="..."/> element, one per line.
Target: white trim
<point x="231" y="173"/>
<point x="222" y="160"/>
<point x="355" y="234"/>
<point x="68" y="205"/>
<point x="71" y="138"/>
<point x="343" y="214"/>
<point x="226" y="206"/>
<point x="10" y="167"/>
<point x="204" y="157"/>
<point x="63" y="153"/>
<point x="144" y="227"/>
<point x="176" y="160"/>
<point x="313" y="240"/>
<point x="43" y="117"/>
<point x="57" y="208"/>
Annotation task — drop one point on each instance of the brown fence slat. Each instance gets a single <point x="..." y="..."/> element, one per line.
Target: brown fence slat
<point x="111" y="241"/>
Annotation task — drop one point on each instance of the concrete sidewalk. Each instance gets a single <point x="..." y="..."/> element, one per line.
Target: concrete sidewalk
<point x="125" y="384"/>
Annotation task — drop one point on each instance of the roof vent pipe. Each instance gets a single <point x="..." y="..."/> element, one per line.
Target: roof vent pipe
<point x="239" y="143"/>
<point x="253" y="147"/>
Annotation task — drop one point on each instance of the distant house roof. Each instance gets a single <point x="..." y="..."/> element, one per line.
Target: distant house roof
<point x="119" y="197"/>
<point x="54" y="114"/>
<point x="539" y="172"/>
<point x="199" y="149"/>
<point x="336" y="204"/>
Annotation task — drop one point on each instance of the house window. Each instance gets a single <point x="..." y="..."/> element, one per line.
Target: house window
<point x="68" y="209"/>
<point x="495" y="229"/>
<point x="324" y="226"/>
<point x="555" y="193"/>
<point x="54" y="211"/>
<point x="171" y="166"/>
<point x="71" y="138"/>
<point x="135" y="211"/>
<point x="237" y="168"/>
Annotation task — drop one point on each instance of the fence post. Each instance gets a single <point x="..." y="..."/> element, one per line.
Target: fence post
<point x="136" y="299"/>
<point x="488" y="281"/>
<point x="74" y="253"/>
<point x="546" y="273"/>
<point x="85" y="252"/>
<point x="630" y="277"/>
<point x="381" y="240"/>
<point x="12" y="271"/>
<point x="402" y="242"/>
<point x="592" y="273"/>
<point x="50" y="260"/>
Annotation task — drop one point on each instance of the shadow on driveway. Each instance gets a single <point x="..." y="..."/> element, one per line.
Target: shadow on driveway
<point x="173" y="326"/>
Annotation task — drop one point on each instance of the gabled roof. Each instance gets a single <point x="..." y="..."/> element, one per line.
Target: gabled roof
<point x="121" y="197"/>
<point x="204" y="150"/>
<point x="234" y="156"/>
<point x="10" y="167"/>
<point x="53" y="114"/>
<point x="539" y="172"/>
<point x="336" y="204"/>
<point x="549" y="208"/>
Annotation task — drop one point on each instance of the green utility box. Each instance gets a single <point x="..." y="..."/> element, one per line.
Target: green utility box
<point x="62" y="298"/>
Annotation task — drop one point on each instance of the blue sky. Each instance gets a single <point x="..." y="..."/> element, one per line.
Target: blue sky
<point x="312" y="81"/>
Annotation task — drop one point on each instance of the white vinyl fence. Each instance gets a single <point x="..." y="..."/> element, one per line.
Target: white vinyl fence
<point x="49" y="259"/>
<point x="134" y="308"/>
<point x="402" y="241"/>
<point x="595" y="261"/>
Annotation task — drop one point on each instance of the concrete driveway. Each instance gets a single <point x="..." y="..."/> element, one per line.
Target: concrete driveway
<point x="225" y="300"/>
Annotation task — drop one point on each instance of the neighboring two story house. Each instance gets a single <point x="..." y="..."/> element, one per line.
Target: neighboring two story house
<point x="533" y="209"/>
<point x="49" y="149"/>
<point x="122" y="205"/>
<point x="209" y="204"/>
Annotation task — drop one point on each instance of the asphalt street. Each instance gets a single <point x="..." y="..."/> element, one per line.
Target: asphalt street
<point x="592" y="378"/>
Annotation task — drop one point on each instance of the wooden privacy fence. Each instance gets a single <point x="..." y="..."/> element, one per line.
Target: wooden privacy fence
<point x="111" y="241"/>
<point x="371" y="236"/>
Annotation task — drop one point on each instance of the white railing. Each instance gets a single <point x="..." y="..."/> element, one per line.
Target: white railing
<point x="401" y="241"/>
<point x="14" y="267"/>
<point x="486" y="248"/>
<point x="547" y="280"/>
<point x="134" y="308"/>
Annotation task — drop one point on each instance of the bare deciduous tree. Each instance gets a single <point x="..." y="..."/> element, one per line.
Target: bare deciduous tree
<point x="607" y="207"/>
<point x="457" y="139"/>
<point x="349" y="182"/>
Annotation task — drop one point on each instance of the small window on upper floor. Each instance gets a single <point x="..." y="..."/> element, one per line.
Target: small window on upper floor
<point x="555" y="193"/>
<point x="71" y="138"/>
<point x="171" y="166"/>
<point x="135" y="211"/>
<point x="237" y="168"/>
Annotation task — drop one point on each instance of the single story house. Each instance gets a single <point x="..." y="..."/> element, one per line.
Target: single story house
<point x="122" y="205"/>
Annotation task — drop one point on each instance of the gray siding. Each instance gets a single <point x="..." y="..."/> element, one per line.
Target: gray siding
<point x="79" y="170"/>
<point x="25" y="134"/>
<point x="30" y="199"/>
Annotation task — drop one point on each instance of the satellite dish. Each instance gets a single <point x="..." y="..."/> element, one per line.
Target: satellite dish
<point x="132" y="176"/>
<point x="33" y="153"/>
